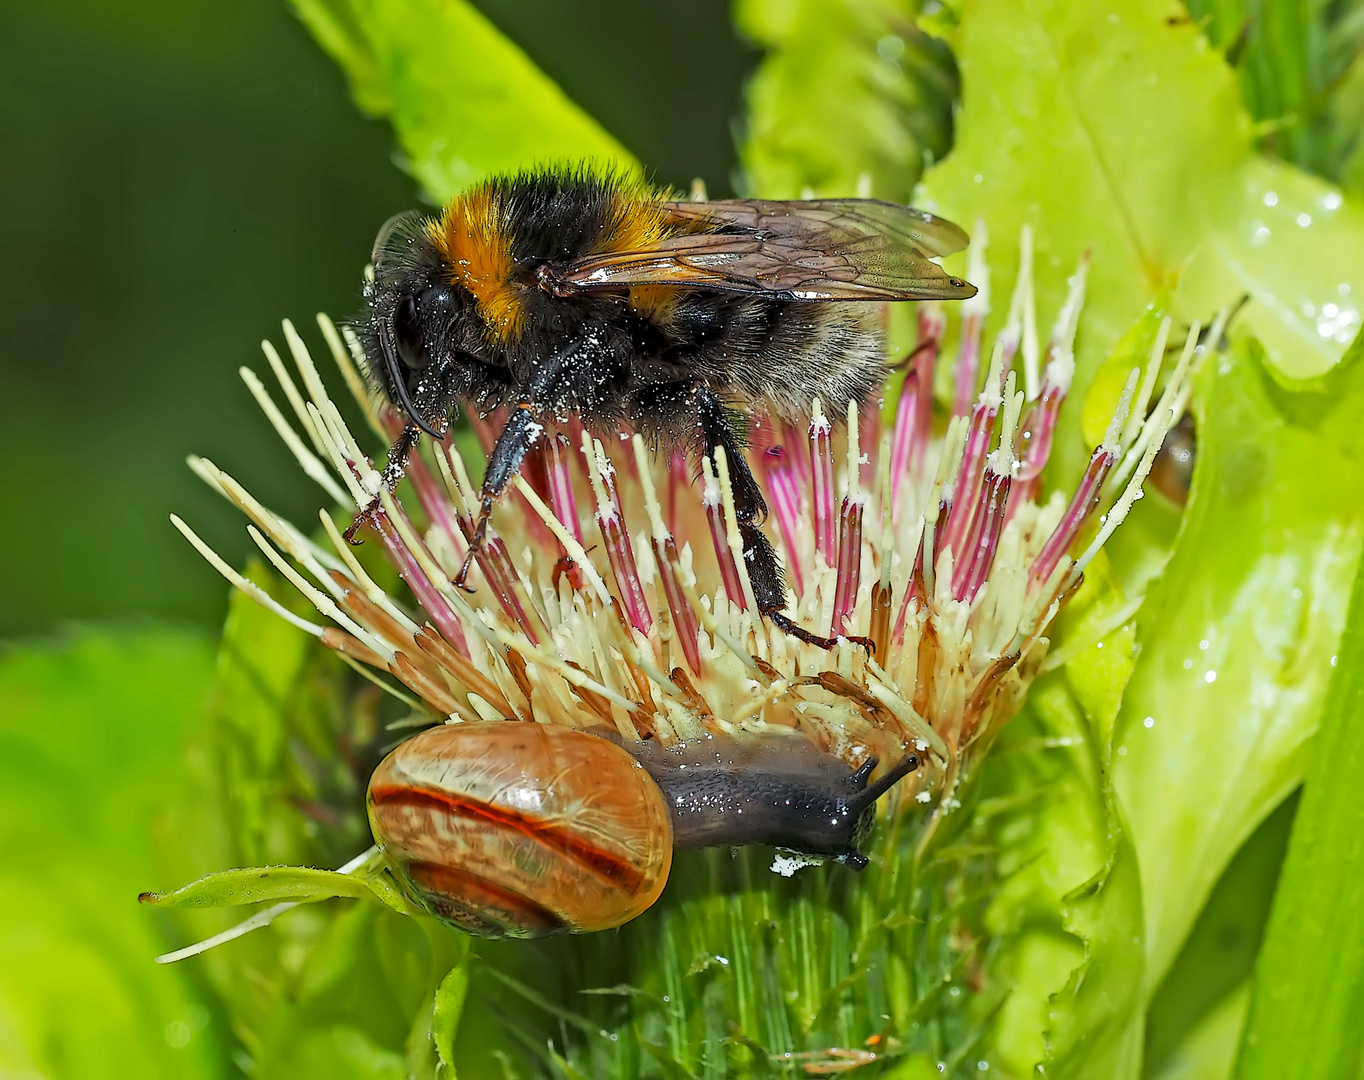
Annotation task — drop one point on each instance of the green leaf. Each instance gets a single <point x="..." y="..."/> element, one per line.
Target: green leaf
<point x="1076" y="118"/>
<point x="1237" y="636"/>
<point x="274" y="760"/>
<point x="1347" y="117"/>
<point x="464" y="101"/>
<point x="1300" y="260"/>
<point x="252" y="885"/>
<point x="327" y="989"/>
<point x="449" y="1008"/>
<point x="1208" y="1051"/>
<point x="1219" y="956"/>
<point x="1067" y="912"/>
<point x="339" y="1052"/>
<point x="91" y="734"/>
<point x="1309" y="980"/>
<point x="850" y="92"/>
<point x="1097" y="1021"/>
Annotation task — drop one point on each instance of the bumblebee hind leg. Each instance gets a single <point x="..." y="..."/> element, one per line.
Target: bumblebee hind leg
<point x="715" y="429"/>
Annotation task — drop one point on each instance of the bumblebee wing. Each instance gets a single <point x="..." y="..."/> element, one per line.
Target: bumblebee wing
<point x="904" y="225"/>
<point x="831" y="249"/>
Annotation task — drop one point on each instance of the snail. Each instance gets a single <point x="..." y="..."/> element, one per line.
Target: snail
<point x="1172" y="470"/>
<point x="521" y="829"/>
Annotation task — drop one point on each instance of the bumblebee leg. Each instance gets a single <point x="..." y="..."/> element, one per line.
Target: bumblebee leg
<point x="716" y="431"/>
<point x="394" y="469"/>
<point x="820" y="641"/>
<point x="435" y="397"/>
<point x="521" y="432"/>
<point x="764" y="569"/>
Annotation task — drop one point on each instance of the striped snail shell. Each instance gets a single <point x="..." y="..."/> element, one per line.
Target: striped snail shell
<point x="520" y="829"/>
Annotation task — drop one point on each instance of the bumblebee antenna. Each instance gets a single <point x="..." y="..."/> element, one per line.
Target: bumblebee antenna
<point x="389" y="348"/>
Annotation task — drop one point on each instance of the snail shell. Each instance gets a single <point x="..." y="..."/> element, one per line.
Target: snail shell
<point x="519" y="829"/>
<point x="1173" y="468"/>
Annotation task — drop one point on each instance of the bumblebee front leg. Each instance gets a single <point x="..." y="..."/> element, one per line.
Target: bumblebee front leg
<point x="521" y="432"/>
<point x="764" y="569"/>
<point x="394" y="470"/>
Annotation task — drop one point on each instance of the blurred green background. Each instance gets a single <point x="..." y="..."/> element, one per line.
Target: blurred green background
<point x="181" y="175"/>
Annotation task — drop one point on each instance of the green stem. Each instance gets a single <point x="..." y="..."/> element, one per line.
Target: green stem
<point x="1307" y="1002"/>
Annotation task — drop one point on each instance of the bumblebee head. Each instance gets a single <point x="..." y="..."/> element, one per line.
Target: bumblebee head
<point x="411" y="324"/>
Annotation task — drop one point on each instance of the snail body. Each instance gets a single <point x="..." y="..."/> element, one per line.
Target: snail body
<point x="781" y="791"/>
<point x="520" y="829"/>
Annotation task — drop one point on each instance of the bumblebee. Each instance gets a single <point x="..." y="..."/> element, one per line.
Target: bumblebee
<point x="569" y="290"/>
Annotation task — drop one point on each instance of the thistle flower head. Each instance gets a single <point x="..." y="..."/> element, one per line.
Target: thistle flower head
<point x="612" y="591"/>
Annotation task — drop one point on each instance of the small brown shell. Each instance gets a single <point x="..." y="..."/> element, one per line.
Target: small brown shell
<point x="518" y="829"/>
<point x="1173" y="468"/>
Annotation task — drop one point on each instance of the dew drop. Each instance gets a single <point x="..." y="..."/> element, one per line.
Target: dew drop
<point x="1210" y="677"/>
<point x="1331" y="200"/>
<point x="891" y="47"/>
<point x="1336" y="323"/>
<point x="1149" y="722"/>
<point x="1271" y="198"/>
<point x="1304" y="220"/>
<point x="177" y="1035"/>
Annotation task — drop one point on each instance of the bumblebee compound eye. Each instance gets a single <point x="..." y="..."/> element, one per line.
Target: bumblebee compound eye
<point x="519" y="829"/>
<point x="407" y="335"/>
